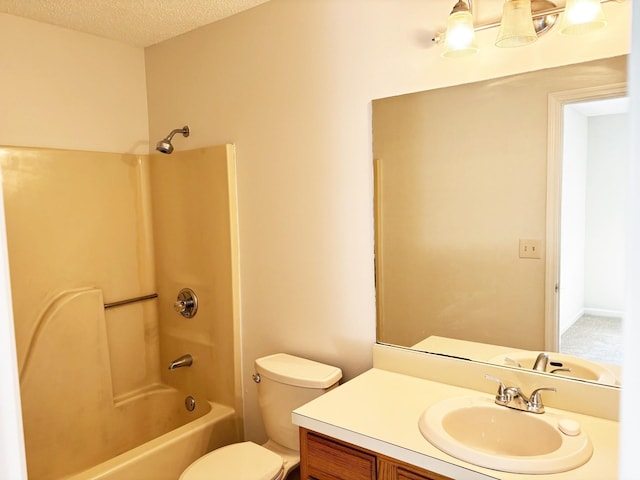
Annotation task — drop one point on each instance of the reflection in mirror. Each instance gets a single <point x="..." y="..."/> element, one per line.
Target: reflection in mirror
<point x="595" y="140"/>
<point x="552" y="363"/>
<point x="462" y="228"/>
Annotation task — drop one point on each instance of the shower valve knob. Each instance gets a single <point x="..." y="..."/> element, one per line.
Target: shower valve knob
<point x="181" y="306"/>
<point x="187" y="303"/>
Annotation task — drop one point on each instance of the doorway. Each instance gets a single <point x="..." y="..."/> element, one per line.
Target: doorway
<point x="592" y="229"/>
<point x="586" y="224"/>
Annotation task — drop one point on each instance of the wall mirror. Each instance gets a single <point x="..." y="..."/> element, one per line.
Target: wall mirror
<point x="470" y="200"/>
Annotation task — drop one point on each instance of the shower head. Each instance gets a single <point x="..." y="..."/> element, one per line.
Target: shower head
<point x="164" y="145"/>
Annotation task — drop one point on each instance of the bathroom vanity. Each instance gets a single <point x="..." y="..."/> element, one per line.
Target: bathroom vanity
<point x="368" y="427"/>
<point x="326" y="457"/>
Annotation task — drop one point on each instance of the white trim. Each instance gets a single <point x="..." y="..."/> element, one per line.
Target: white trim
<point x="12" y="457"/>
<point x="378" y="250"/>
<point x="556" y="103"/>
<point x="601" y="312"/>
<point x="629" y="412"/>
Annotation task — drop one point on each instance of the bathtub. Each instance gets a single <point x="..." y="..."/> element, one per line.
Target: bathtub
<point x="171" y="437"/>
<point x="77" y="428"/>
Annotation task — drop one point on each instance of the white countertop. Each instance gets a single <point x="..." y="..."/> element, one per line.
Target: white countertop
<point x="379" y="411"/>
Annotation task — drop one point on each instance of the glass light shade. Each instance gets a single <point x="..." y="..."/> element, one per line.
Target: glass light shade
<point x="582" y="16"/>
<point x="460" y="39"/>
<point x="516" y="27"/>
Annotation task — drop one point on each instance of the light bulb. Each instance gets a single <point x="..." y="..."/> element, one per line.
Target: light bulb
<point x="460" y="39"/>
<point x="582" y="16"/>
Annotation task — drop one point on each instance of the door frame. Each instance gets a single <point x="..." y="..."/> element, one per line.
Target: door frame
<point x="555" y="134"/>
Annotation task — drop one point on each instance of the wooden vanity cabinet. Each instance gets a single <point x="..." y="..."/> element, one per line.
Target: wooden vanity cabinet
<point x="325" y="458"/>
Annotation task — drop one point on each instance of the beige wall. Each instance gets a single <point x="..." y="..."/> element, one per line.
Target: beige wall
<point x="291" y="83"/>
<point x="65" y="89"/>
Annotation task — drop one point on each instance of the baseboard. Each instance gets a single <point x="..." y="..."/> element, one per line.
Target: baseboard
<point x="601" y="312"/>
<point x="575" y="318"/>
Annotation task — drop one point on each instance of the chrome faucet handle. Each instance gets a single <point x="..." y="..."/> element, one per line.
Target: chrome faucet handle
<point x="535" y="400"/>
<point x="502" y="395"/>
<point x="513" y="362"/>
<point x="180" y="306"/>
<point x="186" y="303"/>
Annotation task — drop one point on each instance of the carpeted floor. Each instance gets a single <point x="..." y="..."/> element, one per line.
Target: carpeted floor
<point x="594" y="338"/>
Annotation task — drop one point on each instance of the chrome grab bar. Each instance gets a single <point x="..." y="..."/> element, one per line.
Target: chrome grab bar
<point x="130" y="300"/>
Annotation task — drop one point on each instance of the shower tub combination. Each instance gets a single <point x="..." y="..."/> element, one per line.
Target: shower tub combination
<point x="75" y="428"/>
<point x="97" y="399"/>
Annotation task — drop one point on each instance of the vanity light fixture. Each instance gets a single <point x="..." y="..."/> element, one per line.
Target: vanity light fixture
<point x="516" y="26"/>
<point x="460" y="39"/>
<point x="582" y="16"/>
<point x="522" y="22"/>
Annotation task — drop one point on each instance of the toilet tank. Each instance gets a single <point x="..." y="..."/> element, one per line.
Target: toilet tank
<point x="287" y="382"/>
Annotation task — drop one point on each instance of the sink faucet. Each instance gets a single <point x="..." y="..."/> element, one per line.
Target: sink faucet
<point x="183" y="361"/>
<point x="513" y="397"/>
<point x="543" y="361"/>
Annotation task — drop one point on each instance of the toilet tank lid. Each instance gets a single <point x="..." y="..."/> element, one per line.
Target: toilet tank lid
<point x="298" y="372"/>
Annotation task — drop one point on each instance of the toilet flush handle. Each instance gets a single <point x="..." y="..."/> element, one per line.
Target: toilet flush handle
<point x="256" y="377"/>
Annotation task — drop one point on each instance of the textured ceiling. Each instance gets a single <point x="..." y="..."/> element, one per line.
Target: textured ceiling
<point x="135" y="22"/>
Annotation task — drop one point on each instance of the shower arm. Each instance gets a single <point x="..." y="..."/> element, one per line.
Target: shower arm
<point x="184" y="131"/>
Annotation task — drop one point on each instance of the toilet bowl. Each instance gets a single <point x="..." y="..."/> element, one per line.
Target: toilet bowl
<point x="285" y="382"/>
<point x="245" y="460"/>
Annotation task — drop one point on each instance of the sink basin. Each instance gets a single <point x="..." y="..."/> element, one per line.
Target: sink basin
<point x="476" y="430"/>
<point x="580" y="368"/>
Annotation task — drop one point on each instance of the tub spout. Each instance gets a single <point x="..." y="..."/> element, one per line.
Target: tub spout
<point x="183" y="361"/>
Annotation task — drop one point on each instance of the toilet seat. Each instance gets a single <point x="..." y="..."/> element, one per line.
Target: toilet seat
<point x="238" y="461"/>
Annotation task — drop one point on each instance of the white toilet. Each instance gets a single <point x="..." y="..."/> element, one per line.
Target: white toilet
<point x="284" y="383"/>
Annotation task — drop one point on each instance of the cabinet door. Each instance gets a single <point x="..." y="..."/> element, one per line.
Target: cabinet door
<point x="405" y="474"/>
<point x="322" y="458"/>
<point x="390" y="469"/>
<point x="325" y="458"/>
